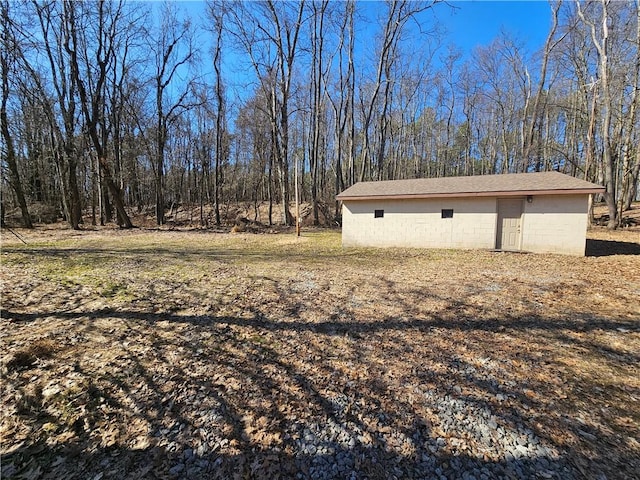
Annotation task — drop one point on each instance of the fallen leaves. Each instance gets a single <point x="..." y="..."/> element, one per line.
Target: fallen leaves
<point x="222" y="360"/>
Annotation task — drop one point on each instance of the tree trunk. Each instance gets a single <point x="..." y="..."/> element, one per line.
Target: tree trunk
<point x="64" y="85"/>
<point x="528" y="139"/>
<point x="159" y="181"/>
<point x="14" y="174"/>
<point x="602" y="46"/>
<point x="632" y="167"/>
<point x="92" y="104"/>
<point x="317" y="71"/>
<point x="632" y="182"/>
<point x="220" y="124"/>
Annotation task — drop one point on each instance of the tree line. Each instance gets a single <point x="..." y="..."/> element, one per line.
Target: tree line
<point x="109" y="109"/>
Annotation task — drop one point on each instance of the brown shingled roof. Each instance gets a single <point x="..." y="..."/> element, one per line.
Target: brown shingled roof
<point x="515" y="184"/>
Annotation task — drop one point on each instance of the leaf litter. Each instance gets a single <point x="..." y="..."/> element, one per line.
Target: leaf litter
<point x="178" y="354"/>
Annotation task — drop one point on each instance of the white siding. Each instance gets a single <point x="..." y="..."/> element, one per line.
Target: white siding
<point x="550" y="224"/>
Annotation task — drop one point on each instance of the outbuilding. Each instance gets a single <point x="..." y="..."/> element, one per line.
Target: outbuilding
<point x="543" y="212"/>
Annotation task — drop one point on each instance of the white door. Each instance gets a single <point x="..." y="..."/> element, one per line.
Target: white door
<point x="509" y="224"/>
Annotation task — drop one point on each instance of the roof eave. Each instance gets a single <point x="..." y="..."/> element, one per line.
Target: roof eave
<point x="518" y="193"/>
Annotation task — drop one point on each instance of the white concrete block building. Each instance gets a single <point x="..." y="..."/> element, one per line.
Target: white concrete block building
<point x="534" y="212"/>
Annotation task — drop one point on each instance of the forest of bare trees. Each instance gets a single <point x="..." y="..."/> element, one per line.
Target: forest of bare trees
<point x="112" y="109"/>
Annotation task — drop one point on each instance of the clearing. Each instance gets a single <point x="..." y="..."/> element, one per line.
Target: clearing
<point x="186" y="354"/>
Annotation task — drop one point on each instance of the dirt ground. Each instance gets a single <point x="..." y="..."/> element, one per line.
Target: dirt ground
<point x="124" y="351"/>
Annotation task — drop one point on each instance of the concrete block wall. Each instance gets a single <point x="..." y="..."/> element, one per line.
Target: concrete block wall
<point x="419" y="223"/>
<point x="555" y="224"/>
<point x="549" y="224"/>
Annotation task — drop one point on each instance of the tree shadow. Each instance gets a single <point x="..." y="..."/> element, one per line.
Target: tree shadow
<point x="260" y="397"/>
<point x="605" y="248"/>
<point x="357" y="462"/>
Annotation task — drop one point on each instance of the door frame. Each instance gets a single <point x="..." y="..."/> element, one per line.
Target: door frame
<point x="498" y="238"/>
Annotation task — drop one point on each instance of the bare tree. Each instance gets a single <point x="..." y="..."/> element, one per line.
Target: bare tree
<point x="63" y="128"/>
<point x="317" y="85"/>
<point x="85" y="111"/>
<point x="217" y="12"/>
<point x="89" y="67"/>
<point x="260" y="29"/>
<point x="399" y="13"/>
<point x="601" y="42"/>
<point x="343" y="105"/>
<point x="283" y="32"/>
<point x="255" y="140"/>
<point x="7" y="61"/>
<point x="550" y="43"/>
<point x="631" y="164"/>
<point x="173" y="49"/>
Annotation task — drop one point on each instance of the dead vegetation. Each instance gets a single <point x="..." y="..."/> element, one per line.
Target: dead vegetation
<point x="191" y="354"/>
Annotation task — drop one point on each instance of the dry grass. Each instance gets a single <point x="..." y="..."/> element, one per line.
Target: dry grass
<point x="124" y="348"/>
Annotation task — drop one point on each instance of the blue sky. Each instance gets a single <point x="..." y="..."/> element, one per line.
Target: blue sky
<point x="471" y="22"/>
<point x="479" y="22"/>
<point x="467" y="25"/>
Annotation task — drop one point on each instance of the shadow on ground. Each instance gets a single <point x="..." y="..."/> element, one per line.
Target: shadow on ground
<point x="359" y="462"/>
<point x="605" y="248"/>
<point x="231" y="397"/>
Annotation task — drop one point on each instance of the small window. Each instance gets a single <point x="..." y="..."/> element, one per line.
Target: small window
<point x="378" y="213"/>
<point x="447" y="213"/>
